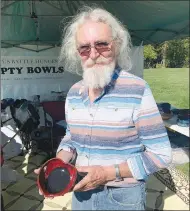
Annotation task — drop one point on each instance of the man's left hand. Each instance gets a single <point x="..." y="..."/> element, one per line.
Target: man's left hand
<point x="96" y="176"/>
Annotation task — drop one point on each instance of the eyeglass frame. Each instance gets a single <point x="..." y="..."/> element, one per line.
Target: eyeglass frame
<point x="90" y="47"/>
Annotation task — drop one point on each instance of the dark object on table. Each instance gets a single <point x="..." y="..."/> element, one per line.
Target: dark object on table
<point x="164" y="107"/>
<point x="183" y="117"/>
<point x="165" y="110"/>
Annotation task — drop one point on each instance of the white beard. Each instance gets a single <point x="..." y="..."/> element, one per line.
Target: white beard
<point x="98" y="77"/>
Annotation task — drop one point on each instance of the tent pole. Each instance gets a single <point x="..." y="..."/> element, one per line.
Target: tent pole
<point x="55" y="6"/>
<point x="26" y="48"/>
<point x="6" y="6"/>
<point x="46" y="49"/>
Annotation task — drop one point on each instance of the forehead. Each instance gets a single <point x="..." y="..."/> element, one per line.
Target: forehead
<point x="91" y="31"/>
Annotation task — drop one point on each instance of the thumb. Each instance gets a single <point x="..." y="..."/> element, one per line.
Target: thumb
<point x="37" y="171"/>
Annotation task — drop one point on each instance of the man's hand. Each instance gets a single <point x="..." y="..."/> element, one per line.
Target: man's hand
<point x="96" y="176"/>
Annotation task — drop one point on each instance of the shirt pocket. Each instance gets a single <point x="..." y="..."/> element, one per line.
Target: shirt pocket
<point x="119" y="115"/>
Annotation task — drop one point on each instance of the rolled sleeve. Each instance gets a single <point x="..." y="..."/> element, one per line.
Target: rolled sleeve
<point x="152" y="133"/>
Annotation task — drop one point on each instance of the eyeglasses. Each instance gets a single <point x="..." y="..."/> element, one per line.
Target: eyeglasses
<point x="100" y="46"/>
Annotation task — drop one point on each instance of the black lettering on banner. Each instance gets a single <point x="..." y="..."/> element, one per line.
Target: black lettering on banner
<point x="61" y="70"/>
<point x="11" y="69"/>
<point x="38" y="61"/>
<point x="46" y="69"/>
<point x="19" y="69"/>
<point x="54" y="70"/>
<point x="37" y="70"/>
<point x="4" y="70"/>
<point x="30" y="69"/>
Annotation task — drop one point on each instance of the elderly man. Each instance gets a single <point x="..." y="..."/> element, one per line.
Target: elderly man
<point x="115" y="132"/>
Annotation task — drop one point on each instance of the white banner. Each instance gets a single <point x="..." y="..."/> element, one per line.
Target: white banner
<point x="25" y="76"/>
<point x="29" y="69"/>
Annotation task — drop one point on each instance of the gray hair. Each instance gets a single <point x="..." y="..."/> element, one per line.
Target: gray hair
<point x="69" y="55"/>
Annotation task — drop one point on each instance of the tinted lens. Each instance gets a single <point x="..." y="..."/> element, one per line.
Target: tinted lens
<point x="102" y="47"/>
<point x="84" y="50"/>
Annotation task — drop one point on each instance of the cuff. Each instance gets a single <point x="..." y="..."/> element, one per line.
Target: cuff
<point x="68" y="149"/>
<point x="137" y="168"/>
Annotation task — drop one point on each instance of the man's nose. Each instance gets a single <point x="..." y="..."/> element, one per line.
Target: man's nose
<point x="94" y="53"/>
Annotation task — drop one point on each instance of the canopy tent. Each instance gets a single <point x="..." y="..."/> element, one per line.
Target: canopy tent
<point x="41" y="22"/>
<point x="31" y="31"/>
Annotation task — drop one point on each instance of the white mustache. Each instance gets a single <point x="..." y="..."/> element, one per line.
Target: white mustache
<point x="95" y="78"/>
<point x="91" y="62"/>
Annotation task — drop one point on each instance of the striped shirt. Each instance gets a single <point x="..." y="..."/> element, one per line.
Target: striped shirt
<point x="122" y="125"/>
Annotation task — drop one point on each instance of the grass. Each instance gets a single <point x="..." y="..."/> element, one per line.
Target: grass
<point x="184" y="168"/>
<point x="170" y="85"/>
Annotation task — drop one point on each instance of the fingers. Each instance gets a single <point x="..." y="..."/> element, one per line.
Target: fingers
<point x="82" y="183"/>
<point x="37" y="171"/>
<point x="40" y="192"/>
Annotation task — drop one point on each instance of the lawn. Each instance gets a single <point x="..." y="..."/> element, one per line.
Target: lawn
<point x="170" y="85"/>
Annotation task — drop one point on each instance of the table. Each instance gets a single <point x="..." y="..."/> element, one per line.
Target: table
<point x="172" y="125"/>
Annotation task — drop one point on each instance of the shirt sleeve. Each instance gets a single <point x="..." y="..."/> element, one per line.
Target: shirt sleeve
<point x="66" y="142"/>
<point x="154" y="139"/>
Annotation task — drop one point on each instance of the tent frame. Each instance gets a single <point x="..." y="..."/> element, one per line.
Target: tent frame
<point x="72" y="9"/>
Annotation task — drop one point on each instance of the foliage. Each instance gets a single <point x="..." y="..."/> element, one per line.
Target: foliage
<point x="150" y="55"/>
<point x="187" y="59"/>
<point x="173" y="54"/>
<point x="149" y="52"/>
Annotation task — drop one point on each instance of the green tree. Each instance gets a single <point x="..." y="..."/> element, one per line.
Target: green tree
<point x="161" y="53"/>
<point x="149" y="55"/>
<point x="176" y="53"/>
<point x="187" y="59"/>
